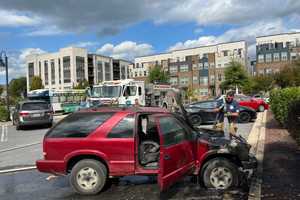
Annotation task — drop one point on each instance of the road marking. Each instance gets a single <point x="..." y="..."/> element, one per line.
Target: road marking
<point x="17" y="169"/>
<point x="257" y="140"/>
<point x="20" y="147"/>
<point x="2" y="133"/>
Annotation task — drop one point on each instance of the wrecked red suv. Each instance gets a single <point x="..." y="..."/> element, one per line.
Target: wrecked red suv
<point x="98" y="144"/>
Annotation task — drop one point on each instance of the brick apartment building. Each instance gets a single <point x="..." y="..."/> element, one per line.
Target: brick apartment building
<point x="200" y="68"/>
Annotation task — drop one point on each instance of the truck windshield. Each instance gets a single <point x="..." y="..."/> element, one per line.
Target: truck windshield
<point x="106" y="91"/>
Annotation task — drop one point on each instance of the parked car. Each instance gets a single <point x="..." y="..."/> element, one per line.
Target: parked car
<point x="257" y="104"/>
<point x="32" y="113"/>
<point x="203" y="113"/>
<point x="259" y="96"/>
<point x="93" y="145"/>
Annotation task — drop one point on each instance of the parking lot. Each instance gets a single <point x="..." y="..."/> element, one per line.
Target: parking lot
<point x="25" y="146"/>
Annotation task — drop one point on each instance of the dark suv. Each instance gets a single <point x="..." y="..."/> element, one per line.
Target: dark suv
<point x="32" y="113"/>
<point x="95" y="144"/>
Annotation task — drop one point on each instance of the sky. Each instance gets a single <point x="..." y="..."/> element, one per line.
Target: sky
<point x="126" y="29"/>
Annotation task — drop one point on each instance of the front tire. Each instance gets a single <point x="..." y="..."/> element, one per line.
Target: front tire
<point x="261" y="108"/>
<point x="196" y="120"/>
<point x="221" y="174"/>
<point x="88" y="177"/>
<point x="244" y="117"/>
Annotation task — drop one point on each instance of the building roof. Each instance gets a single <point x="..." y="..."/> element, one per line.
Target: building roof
<point x="289" y="33"/>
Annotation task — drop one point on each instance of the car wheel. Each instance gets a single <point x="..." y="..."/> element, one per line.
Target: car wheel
<point x="261" y="108"/>
<point x="88" y="177"/>
<point x="221" y="174"/>
<point x="244" y="117"/>
<point x="195" y="120"/>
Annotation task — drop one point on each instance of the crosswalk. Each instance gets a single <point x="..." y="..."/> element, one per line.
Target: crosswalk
<point x="4" y="134"/>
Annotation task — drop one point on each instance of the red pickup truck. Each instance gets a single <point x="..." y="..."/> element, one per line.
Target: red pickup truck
<point x="97" y="144"/>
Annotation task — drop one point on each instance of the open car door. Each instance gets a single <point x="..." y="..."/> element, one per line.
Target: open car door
<point x="176" y="152"/>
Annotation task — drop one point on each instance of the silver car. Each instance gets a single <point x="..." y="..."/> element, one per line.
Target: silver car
<point x="28" y="113"/>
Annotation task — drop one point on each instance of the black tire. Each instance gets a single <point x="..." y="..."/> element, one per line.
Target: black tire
<point x="244" y="117"/>
<point x="100" y="172"/>
<point x="216" y="166"/>
<point x="261" y="108"/>
<point x="18" y="126"/>
<point x="195" y="120"/>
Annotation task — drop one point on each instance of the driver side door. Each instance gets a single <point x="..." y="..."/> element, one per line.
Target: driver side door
<point x="176" y="151"/>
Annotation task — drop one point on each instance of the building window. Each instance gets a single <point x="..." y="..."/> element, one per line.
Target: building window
<point x="284" y="56"/>
<point x="80" y="68"/>
<point x="40" y="69"/>
<point x="205" y="65"/>
<point x="269" y="71"/>
<point x="46" y="72"/>
<point x="173" y="69"/>
<point x="52" y="72"/>
<point x="219" y="77"/>
<point x="203" y="92"/>
<point x="195" y="80"/>
<point x="184" y="68"/>
<point x="195" y="66"/>
<point x="135" y="74"/>
<point x="123" y="72"/>
<point x="212" y="78"/>
<point x="30" y="71"/>
<point x="59" y="71"/>
<point x="184" y="80"/>
<point x="261" y="58"/>
<point x="269" y="57"/>
<point x="173" y="81"/>
<point x="99" y="71"/>
<point x="203" y="80"/>
<point x="225" y="53"/>
<point x="145" y="73"/>
<point x="67" y="69"/>
<point x="276" y="57"/>
<point x="107" y="71"/>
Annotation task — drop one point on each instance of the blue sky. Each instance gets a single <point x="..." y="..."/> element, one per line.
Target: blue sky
<point x="126" y="29"/>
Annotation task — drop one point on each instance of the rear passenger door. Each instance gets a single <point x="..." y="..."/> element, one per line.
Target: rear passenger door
<point x="176" y="152"/>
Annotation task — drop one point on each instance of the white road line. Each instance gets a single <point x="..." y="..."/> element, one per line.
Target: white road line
<point x="2" y="133"/>
<point x="17" y="169"/>
<point x="20" y="147"/>
<point x="6" y="134"/>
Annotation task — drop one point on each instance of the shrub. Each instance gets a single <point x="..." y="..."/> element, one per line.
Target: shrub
<point x="4" y="114"/>
<point x="281" y="99"/>
<point x="293" y="120"/>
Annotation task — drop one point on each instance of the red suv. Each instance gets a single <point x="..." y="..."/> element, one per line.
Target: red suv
<point x="95" y="145"/>
<point x="256" y="104"/>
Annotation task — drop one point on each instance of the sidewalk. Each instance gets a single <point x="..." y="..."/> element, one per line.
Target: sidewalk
<point x="281" y="166"/>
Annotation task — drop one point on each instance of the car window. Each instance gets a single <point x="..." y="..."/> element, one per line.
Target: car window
<point x="77" y="125"/>
<point x="130" y="91"/>
<point x="171" y="130"/>
<point x="124" y="129"/>
<point x="35" y="106"/>
<point x="205" y="105"/>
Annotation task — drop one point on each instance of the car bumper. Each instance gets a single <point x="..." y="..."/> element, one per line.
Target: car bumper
<point x="250" y="166"/>
<point x="36" y="122"/>
<point x="51" y="166"/>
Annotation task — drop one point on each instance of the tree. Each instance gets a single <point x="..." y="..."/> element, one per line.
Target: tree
<point x="235" y="76"/>
<point x="82" y="84"/>
<point x="289" y="76"/>
<point x="36" y="83"/>
<point x="156" y="74"/>
<point x="1" y="90"/>
<point x="17" y="87"/>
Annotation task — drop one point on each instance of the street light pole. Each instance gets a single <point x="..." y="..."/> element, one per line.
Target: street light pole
<point x="5" y="64"/>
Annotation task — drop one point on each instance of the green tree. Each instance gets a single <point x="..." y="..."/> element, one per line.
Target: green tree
<point x="289" y="76"/>
<point x="1" y="90"/>
<point x="82" y="84"/>
<point x="36" y="83"/>
<point x="17" y="87"/>
<point x="235" y="76"/>
<point x="262" y="83"/>
<point x="156" y="74"/>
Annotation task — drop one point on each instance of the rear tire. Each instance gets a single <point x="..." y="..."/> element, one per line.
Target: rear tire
<point x="244" y="117"/>
<point x="220" y="173"/>
<point x="195" y="120"/>
<point x="88" y="177"/>
<point x="261" y="108"/>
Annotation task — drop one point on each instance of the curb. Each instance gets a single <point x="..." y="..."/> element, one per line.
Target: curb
<point x="6" y="171"/>
<point x="257" y="140"/>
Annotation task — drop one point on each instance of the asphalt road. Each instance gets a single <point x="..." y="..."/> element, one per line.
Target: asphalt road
<point x="22" y="148"/>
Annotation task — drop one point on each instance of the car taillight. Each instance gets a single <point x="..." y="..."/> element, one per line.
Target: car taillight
<point x="22" y="114"/>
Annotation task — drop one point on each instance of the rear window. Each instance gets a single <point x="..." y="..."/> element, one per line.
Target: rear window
<point x="78" y="125"/>
<point x="35" y="106"/>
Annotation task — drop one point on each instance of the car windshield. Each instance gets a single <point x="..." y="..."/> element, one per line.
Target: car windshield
<point x="35" y="106"/>
<point x="106" y="91"/>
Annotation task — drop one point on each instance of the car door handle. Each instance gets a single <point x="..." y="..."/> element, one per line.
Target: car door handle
<point x="167" y="157"/>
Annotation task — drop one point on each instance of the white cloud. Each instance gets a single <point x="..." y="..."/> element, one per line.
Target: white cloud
<point x="126" y="50"/>
<point x="86" y="44"/>
<point x="14" y="19"/>
<point x="16" y="62"/>
<point x="46" y="31"/>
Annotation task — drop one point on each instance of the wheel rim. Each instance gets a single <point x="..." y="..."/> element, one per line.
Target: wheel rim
<point x="221" y="178"/>
<point x="87" y="178"/>
<point x="261" y="108"/>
